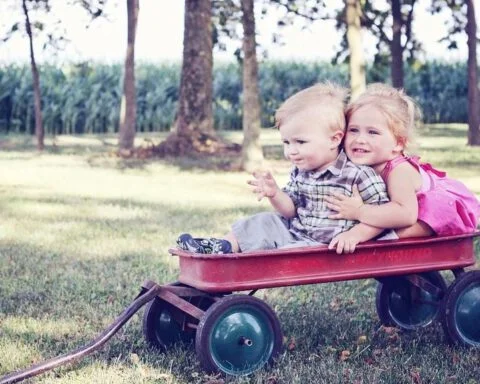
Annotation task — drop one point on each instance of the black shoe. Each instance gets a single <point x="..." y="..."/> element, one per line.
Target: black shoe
<point x="221" y="246"/>
<point x="204" y="245"/>
<point x="213" y="245"/>
<point x="186" y="242"/>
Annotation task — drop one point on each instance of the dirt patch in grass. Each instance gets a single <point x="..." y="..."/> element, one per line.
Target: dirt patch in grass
<point x="202" y="149"/>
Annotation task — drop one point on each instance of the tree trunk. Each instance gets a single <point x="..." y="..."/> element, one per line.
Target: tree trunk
<point x="358" y="80"/>
<point x="396" y="45"/>
<point x="473" y="92"/>
<point x="252" y="155"/>
<point x="195" y="111"/>
<point x="37" y="95"/>
<point x="128" y="108"/>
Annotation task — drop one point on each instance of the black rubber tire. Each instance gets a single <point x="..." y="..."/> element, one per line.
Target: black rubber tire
<point x="163" y="322"/>
<point x="394" y="306"/>
<point x="238" y="335"/>
<point x="461" y="310"/>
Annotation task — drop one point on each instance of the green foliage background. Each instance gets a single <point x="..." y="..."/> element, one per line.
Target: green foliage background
<point x="85" y="98"/>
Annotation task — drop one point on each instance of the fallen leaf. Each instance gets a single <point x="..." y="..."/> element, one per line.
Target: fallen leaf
<point x="272" y="380"/>
<point x="455" y="358"/>
<point x="291" y="344"/>
<point x="344" y="355"/>
<point x="134" y="358"/>
<point x="335" y="304"/>
<point x="389" y="330"/>
<point x="216" y="379"/>
<point x="361" y="339"/>
<point x="416" y="377"/>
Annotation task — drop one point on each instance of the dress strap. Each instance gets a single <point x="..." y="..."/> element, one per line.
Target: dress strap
<point x="391" y="165"/>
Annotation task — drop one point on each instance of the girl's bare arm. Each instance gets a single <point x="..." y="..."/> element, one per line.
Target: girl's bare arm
<point x="401" y="211"/>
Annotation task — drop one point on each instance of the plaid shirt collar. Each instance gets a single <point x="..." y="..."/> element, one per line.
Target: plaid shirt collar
<point x="335" y="169"/>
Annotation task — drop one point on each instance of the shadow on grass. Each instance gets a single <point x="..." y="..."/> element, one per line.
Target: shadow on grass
<point x="198" y="164"/>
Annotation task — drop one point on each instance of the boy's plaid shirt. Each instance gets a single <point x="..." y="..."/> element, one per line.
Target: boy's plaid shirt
<point x="308" y="189"/>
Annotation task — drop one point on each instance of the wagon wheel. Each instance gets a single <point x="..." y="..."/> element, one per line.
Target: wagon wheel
<point x="164" y="324"/>
<point x="238" y="335"/>
<point x="462" y="310"/>
<point x="402" y="304"/>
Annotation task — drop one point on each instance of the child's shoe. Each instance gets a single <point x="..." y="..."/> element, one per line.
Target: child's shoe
<point x="186" y="242"/>
<point x="214" y="245"/>
<point x="204" y="245"/>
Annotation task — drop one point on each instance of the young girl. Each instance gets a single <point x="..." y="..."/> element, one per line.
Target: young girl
<point x="424" y="201"/>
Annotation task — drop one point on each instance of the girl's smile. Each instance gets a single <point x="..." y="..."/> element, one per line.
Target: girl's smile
<point x="369" y="140"/>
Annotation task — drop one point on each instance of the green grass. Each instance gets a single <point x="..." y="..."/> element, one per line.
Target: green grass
<point x="80" y="230"/>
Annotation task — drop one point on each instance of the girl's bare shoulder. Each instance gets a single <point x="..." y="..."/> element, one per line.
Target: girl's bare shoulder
<point x="406" y="172"/>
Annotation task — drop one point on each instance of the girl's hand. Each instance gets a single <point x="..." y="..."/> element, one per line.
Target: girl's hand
<point x="345" y="206"/>
<point x="264" y="185"/>
<point x="345" y="242"/>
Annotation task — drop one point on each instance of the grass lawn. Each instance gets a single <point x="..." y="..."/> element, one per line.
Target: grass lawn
<point x="80" y="231"/>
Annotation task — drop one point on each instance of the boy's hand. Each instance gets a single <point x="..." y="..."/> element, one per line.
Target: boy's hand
<point x="345" y="242"/>
<point x="264" y="185"/>
<point x="345" y="206"/>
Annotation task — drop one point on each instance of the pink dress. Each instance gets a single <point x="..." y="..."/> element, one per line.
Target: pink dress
<point x="446" y="205"/>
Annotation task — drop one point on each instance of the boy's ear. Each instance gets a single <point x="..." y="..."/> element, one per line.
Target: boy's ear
<point x="336" y="139"/>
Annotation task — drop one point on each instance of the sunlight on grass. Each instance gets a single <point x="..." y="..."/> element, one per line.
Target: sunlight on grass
<point x="97" y="373"/>
<point x="15" y="354"/>
<point x="39" y="327"/>
<point x="156" y="183"/>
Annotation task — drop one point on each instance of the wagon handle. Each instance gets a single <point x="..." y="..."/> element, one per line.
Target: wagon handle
<point x="143" y="297"/>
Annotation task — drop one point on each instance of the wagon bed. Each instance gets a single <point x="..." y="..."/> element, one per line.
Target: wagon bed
<point x="318" y="264"/>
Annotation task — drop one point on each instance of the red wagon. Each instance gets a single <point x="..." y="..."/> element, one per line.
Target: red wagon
<point x="238" y="333"/>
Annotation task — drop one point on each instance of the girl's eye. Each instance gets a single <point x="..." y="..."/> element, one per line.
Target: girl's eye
<point x="373" y="132"/>
<point x="301" y="141"/>
<point x="285" y="142"/>
<point x="352" y="129"/>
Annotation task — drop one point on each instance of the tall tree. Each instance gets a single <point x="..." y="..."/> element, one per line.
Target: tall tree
<point x="193" y="127"/>
<point x="128" y="108"/>
<point x="53" y="37"/>
<point x="473" y="92"/>
<point x="463" y="21"/>
<point x="396" y="48"/>
<point x="39" y="131"/>
<point x="399" y="19"/>
<point x="252" y="155"/>
<point x="353" y="13"/>
<point x="195" y="112"/>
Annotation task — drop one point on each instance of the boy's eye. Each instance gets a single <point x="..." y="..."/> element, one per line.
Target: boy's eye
<point x="352" y="129"/>
<point x="285" y="142"/>
<point x="301" y="141"/>
<point x="373" y="132"/>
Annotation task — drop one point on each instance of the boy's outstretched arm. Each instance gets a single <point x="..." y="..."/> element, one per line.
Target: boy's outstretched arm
<point x="347" y="241"/>
<point x="264" y="185"/>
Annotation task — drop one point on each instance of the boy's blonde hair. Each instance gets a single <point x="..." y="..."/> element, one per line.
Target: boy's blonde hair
<point x="400" y="110"/>
<point x="328" y="97"/>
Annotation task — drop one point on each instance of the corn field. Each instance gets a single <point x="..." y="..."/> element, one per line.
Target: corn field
<point x="85" y="97"/>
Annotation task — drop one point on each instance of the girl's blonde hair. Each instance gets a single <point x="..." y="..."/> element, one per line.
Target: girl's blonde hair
<point x="400" y="110"/>
<point x="328" y="97"/>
